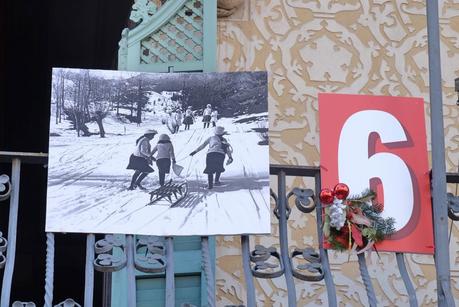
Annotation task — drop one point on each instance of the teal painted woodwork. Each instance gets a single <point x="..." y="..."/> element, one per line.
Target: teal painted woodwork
<point x="179" y="36"/>
<point x="151" y="291"/>
<point x="188" y="263"/>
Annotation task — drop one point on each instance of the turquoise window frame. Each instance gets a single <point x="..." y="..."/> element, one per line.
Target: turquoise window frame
<point x="185" y="262"/>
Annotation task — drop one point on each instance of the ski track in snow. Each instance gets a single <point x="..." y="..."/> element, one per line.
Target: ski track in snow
<point x="88" y="180"/>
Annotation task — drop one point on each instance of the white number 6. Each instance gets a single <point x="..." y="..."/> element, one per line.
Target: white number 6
<point x="356" y="168"/>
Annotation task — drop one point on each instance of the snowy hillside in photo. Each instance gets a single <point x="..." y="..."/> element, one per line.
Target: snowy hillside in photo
<point x="88" y="180"/>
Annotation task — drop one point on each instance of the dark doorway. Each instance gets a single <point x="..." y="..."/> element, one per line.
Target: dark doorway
<point x="34" y="37"/>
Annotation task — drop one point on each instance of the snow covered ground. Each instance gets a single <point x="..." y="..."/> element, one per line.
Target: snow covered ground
<point x="88" y="180"/>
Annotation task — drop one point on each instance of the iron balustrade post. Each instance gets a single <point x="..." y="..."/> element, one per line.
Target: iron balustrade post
<point x="170" y="275"/>
<point x="440" y="204"/>
<point x="406" y="279"/>
<point x="207" y="266"/>
<point x="89" y="271"/>
<point x="130" y="254"/>
<point x="49" y="275"/>
<point x="250" y="288"/>
<point x="107" y="290"/>
<point x="283" y="237"/>
<point x="12" y="232"/>
<point x="328" y="278"/>
<point x="372" y="302"/>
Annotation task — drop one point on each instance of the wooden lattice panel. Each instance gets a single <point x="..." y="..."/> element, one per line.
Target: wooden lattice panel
<point x="178" y="40"/>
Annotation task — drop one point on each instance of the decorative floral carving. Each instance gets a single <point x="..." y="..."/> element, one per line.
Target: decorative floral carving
<point x="227" y="8"/>
<point x="106" y="260"/>
<point x="5" y="187"/>
<point x="68" y="303"/>
<point x="141" y="11"/>
<point x="150" y="253"/>
<point x="264" y="268"/>
<point x="303" y="199"/>
<point x="3" y="247"/>
<point x="23" y="304"/>
<point x="313" y="265"/>
<point x="385" y="53"/>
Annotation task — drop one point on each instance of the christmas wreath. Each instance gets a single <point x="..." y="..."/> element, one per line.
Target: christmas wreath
<point x="353" y="223"/>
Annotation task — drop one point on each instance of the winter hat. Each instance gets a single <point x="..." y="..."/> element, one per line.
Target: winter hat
<point x="164" y="137"/>
<point x="209" y="105"/>
<point x="150" y="131"/>
<point x="220" y="131"/>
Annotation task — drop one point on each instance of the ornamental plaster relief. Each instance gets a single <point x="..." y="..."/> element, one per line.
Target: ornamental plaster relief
<point x="376" y="47"/>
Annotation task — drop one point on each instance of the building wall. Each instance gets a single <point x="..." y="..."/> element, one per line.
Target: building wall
<point x="375" y="47"/>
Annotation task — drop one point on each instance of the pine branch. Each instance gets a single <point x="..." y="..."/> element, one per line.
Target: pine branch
<point x="363" y="197"/>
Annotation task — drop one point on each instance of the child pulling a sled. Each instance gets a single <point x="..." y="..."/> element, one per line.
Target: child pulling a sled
<point x="141" y="159"/>
<point x="164" y="157"/>
<point x="218" y="149"/>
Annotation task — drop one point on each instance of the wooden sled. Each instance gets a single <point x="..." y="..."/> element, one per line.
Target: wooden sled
<point x="170" y="192"/>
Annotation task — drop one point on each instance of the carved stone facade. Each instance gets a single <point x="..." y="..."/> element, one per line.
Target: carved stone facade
<point x="376" y="47"/>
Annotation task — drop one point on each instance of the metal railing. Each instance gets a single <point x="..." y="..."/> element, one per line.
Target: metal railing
<point x="317" y="265"/>
<point x="114" y="253"/>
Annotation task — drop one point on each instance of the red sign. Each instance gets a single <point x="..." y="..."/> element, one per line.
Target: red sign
<point x="379" y="142"/>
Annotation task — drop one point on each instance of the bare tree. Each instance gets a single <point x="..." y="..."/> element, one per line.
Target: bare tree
<point x="58" y="93"/>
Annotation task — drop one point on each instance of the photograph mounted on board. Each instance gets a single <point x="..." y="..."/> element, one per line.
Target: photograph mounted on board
<point x="158" y="154"/>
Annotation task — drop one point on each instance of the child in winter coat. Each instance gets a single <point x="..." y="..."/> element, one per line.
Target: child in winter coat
<point x="178" y="120"/>
<point x="214" y="118"/>
<point x="206" y="116"/>
<point x="218" y="149"/>
<point x="141" y="159"/>
<point x="164" y="157"/>
<point x="189" y="119"/>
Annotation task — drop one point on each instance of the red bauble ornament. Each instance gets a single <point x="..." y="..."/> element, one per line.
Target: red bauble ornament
<point x="326" y="196"/>
<point x="341" y="191"/>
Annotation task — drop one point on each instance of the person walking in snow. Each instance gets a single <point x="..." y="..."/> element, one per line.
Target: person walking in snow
<point x="164" y="157"/>
<point x="219" y="148"/>
<point x="189" y="119"/>
<point x="141" y="159"/>
<point x="178" y="119"/>
<point x="206" y="116"/>
<point x="214" y="118"/>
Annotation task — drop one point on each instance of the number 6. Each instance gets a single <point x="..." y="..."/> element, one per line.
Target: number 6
<point x="356" y="168"/>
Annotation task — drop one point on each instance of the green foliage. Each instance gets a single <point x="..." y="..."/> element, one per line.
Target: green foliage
<point x="383" y="226"/>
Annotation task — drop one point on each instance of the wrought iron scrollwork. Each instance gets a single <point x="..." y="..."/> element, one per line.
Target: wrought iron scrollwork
<point x="263" y="268"/>
<point x="453" y="207"/>
<point x="5" y="187"/>
<point x="23" y="304"/>
<point x="152" y="260"/>
<point x="313" y="265"/>
<point x="106" y="261"/>
<point x="68" y="303"/>
<point x="3" y="246"/>
<point x="303" y="199"/>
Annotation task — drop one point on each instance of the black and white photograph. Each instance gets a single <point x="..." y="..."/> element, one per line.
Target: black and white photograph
<point x="158" y="153"/>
